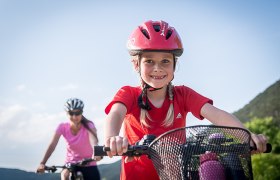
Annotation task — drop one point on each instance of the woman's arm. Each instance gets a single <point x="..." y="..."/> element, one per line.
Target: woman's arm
<point x="223" y="118"/>
<point x="113" y="123"/>
<point x="92" y="139"/>
<point x="49" y="152"/>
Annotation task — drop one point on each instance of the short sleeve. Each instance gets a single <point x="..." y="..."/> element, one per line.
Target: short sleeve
<point x="125" y="96"/>
<point x="195" y="102"/>
<point x="60" y="129"/>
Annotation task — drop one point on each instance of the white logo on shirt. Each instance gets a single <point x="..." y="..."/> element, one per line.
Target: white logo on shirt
<point x="162" y="31"/>
<point x="178" y="116"/>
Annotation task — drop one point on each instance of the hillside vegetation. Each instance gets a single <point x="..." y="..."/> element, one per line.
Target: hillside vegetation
<point x="266" y="104"/>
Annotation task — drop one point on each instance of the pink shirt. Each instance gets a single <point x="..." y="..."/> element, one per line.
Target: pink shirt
<point x="78" y="146"/>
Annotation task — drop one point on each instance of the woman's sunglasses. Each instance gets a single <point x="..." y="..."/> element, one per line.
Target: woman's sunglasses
<point x="77" y="113"/>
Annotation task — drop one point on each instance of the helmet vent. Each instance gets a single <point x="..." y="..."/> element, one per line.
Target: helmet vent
<point x="156" y="27"/>
<point x="169" y="33"/>
<point x="144" y="31"/>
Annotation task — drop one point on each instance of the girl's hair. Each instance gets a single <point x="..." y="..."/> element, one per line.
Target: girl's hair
<point x="169" y="119"/>
<point x="85" y="123"/>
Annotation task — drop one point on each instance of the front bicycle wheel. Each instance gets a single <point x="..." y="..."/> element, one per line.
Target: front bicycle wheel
<point x="77" y="176"/>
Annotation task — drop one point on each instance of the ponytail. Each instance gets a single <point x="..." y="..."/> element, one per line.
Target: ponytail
<point x="170" y="113"/>
<point x="85" y="122"/>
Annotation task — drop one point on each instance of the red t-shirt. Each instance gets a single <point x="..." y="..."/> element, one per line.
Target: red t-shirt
<point x="185" y="100"/>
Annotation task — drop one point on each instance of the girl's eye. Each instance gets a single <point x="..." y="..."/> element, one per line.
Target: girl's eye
<point x="149" y="61"/>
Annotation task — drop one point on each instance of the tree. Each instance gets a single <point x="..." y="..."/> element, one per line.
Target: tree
<point x="266" y="166"/>
<point x="269" y="127"/>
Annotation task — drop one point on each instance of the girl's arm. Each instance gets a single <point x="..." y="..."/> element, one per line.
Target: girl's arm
<point x="113" y="123"/>
<point x="220" y="117"/>
<point x="223" y="118"/>
<point x="49" y="152"/>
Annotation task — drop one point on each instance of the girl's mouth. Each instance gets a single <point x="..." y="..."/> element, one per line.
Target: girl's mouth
<point x="158" y="77"/>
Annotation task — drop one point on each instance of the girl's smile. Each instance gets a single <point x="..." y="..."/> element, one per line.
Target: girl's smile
<point x="158" y="77"/>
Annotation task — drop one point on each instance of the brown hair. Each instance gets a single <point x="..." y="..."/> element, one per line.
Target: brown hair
<point x="85" y="122"/>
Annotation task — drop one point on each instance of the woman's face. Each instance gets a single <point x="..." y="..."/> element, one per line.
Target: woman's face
<point x="75" y="116"/>
<point x="157" y="68"/>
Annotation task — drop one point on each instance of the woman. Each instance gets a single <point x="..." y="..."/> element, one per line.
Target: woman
<point x="80" y="135"/>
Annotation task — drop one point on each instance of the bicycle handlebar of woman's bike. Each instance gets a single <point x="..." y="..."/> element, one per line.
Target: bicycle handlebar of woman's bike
<point x="69" y="165"/>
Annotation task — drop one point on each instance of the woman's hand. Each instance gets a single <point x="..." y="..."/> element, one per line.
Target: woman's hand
<point x="259" y="141"/>
<point x="97" y="158"/>
<point x="41" y="168"/>
<point x="118" y="145"/>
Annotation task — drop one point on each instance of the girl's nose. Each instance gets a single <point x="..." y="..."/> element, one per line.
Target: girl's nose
<point x="157" y="67"/>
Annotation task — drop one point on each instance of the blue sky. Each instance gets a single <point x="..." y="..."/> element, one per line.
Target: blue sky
<point x="50" y="51"/>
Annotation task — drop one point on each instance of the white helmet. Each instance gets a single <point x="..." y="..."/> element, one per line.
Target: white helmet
<point x="74" y="104"/>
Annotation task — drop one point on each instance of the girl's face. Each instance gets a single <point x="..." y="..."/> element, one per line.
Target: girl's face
<point x="157" y="68"/>
<point x="75" y="116"/>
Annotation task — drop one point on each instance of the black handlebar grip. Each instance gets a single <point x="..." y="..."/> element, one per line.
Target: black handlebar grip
<point x="101" y="150"/>
<point x="85" y="161"/>
<point x="268" y="148"/>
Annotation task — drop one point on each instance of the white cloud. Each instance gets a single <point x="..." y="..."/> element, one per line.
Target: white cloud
<point x="7" y="115"/>
<point x="68" y="87"/>
<point x="64" y="88"/>
<point x="36" y="129"/>
<point x="21" y="87"/>
<point x="38" y="105"/>
<point x="19" y="125"/>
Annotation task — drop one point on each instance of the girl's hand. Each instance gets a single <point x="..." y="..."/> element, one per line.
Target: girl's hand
<point x="260" y="142"/>
<point x="118" y="145"/>
<point x="41" y="169"/>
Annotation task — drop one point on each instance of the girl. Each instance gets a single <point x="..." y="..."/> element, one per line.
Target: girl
<point x="80" y="135"/>
<point x="156" y="106"/>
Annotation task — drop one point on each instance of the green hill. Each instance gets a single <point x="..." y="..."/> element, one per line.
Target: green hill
<point x="265" y="104"/>
<point x="14" y="174"/>
<point x="107" y="172"/>
<point x="110" y="171"/>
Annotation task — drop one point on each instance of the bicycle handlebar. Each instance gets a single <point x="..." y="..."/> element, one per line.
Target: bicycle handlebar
<point x="268" y="148"/>
<point x="133" y="150"/>
<point x="216" y="142"/>
<point x="69" y="165"/>
<point x="138" y="150"/>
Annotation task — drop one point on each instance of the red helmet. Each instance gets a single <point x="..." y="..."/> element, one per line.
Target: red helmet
<point x="155" y="36"/>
